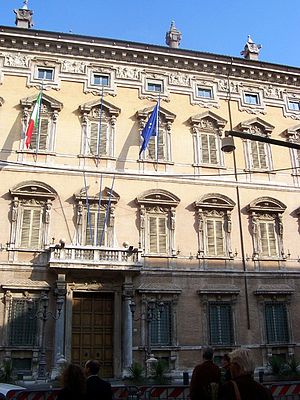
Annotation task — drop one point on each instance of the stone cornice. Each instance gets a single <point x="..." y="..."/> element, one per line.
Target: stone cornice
<point x="101" y="50"/>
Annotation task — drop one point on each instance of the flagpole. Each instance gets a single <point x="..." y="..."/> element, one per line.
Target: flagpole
<point x="99" y="207"/>
<point x="39" y="124"/>
<point x="100" y="125"/>
<point x="107" y="211"/>
<point x="88" y="208"/>
<point x="157" y="128"/>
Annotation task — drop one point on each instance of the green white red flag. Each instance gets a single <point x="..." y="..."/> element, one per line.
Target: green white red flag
<point x="34" y="120"/>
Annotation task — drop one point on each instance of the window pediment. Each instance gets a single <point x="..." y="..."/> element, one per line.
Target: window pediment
<point x="162" y="197"/>
<point x="293" y="133"/>
<point x="49" y="101"/>
<point x="33" y="189"/>
<point x="208" y="120"/>
<point x="106" y="195"/>
<point x="263" y="204"/>
<point x="215" y="200"/>
<point x="274" y="290"/>
<point x="256" y="126"/>
<point x="167" y="115"/>
<point x="111" y="109"/>
<point x="219" y="289"/>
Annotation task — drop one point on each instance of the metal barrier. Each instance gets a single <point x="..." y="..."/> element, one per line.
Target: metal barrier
<point x="285" y="391"/>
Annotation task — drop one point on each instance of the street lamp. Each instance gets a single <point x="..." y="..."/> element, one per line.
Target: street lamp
<point x="149" y="315"/>
<point x="43" y="314"/>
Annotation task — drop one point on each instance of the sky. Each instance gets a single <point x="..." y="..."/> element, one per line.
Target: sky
<point x="214" y="26"/>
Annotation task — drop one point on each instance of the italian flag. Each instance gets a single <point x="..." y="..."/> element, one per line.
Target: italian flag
<point x="34" y="120"/>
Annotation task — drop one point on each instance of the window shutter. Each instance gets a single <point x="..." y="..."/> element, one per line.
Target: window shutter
<point x="151" y="148"/>
<point x="204" y="148"/>
<point x="268" y="238"/>
<point x="101" y="228"/>
<point x="276" y="323"/>
<point x="220" y="324"/>
<point x="262" y="155"/>
<point x="43" y="126"/>
<point x="254" y="154"/>
<point x="215" y="237"/>
<point x="272" y="239"/>
<point x="31" y="227"/>
<point x="161" y="144"/>
<point x="22" y="330"/>
<point x="213" y="149"/>
<point x="104" y="139"/>
<point x="158" y="234"/>
<point x="297" y="158"/>
<point x="264" y="238"/>
<point x="94" y="134"/>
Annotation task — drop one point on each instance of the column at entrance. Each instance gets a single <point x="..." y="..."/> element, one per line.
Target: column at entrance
<point x="127" y="326"/>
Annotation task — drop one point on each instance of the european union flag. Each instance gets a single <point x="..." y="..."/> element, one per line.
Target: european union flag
<point x="150" y="128"/>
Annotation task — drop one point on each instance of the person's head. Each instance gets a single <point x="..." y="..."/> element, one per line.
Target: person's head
<point x="73" y="378"/>
<point x="225" y="360"/>
<point x="92" y="367"/>
<point x="208" y="353"/>
<point x="241" y="362"/>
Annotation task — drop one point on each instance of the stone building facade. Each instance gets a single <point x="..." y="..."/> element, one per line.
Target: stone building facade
<point x="202" y="245"/>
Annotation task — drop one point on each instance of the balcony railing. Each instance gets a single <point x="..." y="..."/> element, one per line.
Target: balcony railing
<point x="92" y="257"/>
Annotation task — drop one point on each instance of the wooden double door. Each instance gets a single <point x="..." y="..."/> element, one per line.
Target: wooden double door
<point x="92" y="330"/>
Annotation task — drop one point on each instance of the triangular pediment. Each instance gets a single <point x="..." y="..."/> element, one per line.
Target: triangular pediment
<point x="158" y="196"/>
<point x="52" y="103"/>
<point x="107" y="195"/>
<point x="106" y="106"/>
<point x="267" y="204"/>
<point x="215" y="200"/>
<point x="145" y="113"/>
<point x="208" y="115"/>
<point x="33" y="189"/>
<point x="256" y="122"/>
<point x="293" y="131"/>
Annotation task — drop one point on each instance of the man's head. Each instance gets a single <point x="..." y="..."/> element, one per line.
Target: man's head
<point x="208" y="353"/>
<point x="92" y="367"/>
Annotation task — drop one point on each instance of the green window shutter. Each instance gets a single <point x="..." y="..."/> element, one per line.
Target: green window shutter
<point x="104" y="139"/>
<point x="44" y="125"/>
<point x="31" y="228"/>
<point x="220" y="324"/>
<point x="215" y="237"/>
<point x="277" y="330"/>
<point x="22" y="330"/>
<point x="161" y="326"/>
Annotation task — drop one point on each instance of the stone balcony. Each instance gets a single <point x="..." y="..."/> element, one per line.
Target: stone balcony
<point x="90" y="257"/>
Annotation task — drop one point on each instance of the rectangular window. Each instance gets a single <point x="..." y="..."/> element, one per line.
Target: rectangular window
<point x="160" y="326"/>
<point x="154" y="86"/>
<point x="158" y="234"/>
<point x="101" y="80"/>
<point x="209" y="148"/>
<point x="215" y="237"/>
<point x="251" y="98"/>
<point x="220" y="324"/>
<point x="96" y="228"/>
<point x="157" y="146"/>
<point x="22" y="330"/>
<point x="98" y="139"/>
<point x="206" y="93"/>
<point x="31" y="228"/>
<point x="294" y="105"/>
<point x="268" y="239"/>
<point x="276" y="323"/>
<point x="40" y="134"/>
<point x="46" y="74"/>
<point x="259" y="156"/>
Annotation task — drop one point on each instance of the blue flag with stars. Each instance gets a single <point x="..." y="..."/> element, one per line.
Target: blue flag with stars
<point x="150" y="128"/>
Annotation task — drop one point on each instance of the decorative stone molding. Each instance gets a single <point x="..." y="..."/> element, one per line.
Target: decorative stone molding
<point x="154" y="77"/>
<point x="287" y="112"/>
<point x="203" y="102"/>
<point x="259" y="108"/>
<point x="90" y="87"/>
<point x="128" y="73"/>
<point x="43" y="63"/>
<point x="73" y="67"/>
<point x="17" y="60"/>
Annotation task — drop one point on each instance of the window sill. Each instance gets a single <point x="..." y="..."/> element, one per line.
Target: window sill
<point x="261" y="171"/>
<point x="28" y="250"/>
<point x="159" y="255"/>
<point x="95" y="157"/>
<point x="205" y="257"/>
<point x="213" y="166"/>
<point x="161" y="162"/>
<point x="33" y="152"/>
<point x="275" y="258"/>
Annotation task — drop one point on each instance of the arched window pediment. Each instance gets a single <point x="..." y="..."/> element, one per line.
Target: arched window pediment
<point x="165" y="114"/>
<point x="49" y="101"/>
<point x="208" y="119"/>
<point x="158" y="197"/>
<point x="267" y="204"/>
<point x="106" y="106"/>
<point x="106" y="196"/>
<point x="33" y="189"/>
<point x="257" y="126"/>
<point x="215" y="200"/>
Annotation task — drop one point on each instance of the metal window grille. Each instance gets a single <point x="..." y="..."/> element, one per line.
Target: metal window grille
<point x="161" y="326"/>
<point x="220" y="324"/>
<point x="22" y="329"/>
<point x="277" y="330"/>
